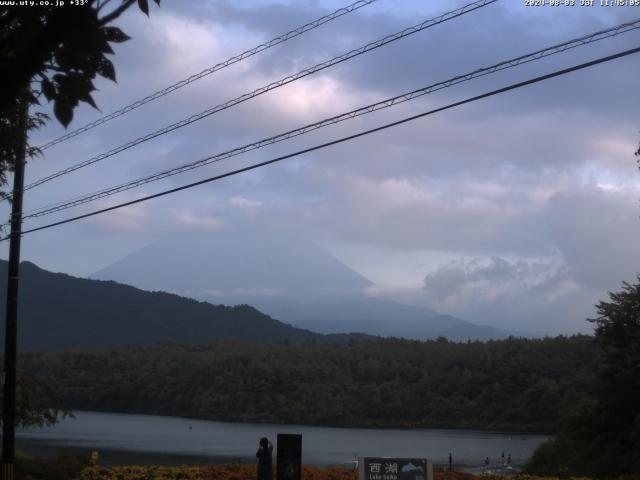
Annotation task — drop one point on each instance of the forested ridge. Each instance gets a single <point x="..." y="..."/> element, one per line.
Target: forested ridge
<point x="77" y="312"/>
<point x="513" y="384"/>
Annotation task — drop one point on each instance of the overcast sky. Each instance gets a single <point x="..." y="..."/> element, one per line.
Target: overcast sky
<point x="519" y="211"/>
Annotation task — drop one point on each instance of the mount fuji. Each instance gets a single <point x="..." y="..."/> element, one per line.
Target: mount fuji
<point x="287" y="278"/>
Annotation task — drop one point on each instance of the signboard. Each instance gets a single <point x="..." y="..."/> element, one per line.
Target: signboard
<point x="379" y="468"/>
<point x="289" y="456"/>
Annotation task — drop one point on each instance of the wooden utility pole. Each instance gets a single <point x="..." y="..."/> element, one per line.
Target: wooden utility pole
<point x="11" y="326"/>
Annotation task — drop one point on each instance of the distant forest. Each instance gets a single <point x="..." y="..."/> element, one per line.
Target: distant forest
<point x="513" y="384"/>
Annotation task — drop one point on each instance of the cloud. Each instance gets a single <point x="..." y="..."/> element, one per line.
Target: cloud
<point x="204" y="218"/>
<point x="526" y="204"/>
<point x="596" y="230"/>
<point x="243" y="202"/>
<point x="458" y="284"/>
<point x="537" y="296"/>
<point x="593" y="232"/>
<point x="131" y="219"/>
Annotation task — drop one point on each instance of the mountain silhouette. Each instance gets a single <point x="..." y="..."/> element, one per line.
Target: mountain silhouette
<point x="286" y="277"/>
<point x="58" y="311"/>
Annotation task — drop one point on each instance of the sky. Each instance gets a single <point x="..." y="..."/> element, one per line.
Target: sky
<point x="519" y="211"/>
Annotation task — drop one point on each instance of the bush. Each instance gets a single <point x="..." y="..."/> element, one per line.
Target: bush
<point x="59" y="468"/>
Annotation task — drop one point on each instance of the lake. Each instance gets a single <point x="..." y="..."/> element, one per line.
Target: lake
<point x="148" y="439"/>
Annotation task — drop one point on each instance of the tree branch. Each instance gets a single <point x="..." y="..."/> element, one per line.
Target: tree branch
<point x="116" y="13"/>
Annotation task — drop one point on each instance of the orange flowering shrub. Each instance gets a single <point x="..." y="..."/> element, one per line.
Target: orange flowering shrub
<point x="213" y="472"/>
<point x="141" y="473"/>
<point x="248" y="472"/>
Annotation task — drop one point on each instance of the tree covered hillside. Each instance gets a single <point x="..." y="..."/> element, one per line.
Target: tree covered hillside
<point x="601" y="437"/>
<point x="58" y="311"/>
<point x="511" y="384"/>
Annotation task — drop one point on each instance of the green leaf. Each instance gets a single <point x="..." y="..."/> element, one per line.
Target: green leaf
<point x="106" y="69"/>
<point x="48" y="89"/>
<point x="63" y="111"/>
<point x="144" y="6"/>
<point x="115" y="35"/>
<point x="87" y="98"/>
<point x="106" y="48"/>
<point x="75" y="86"/>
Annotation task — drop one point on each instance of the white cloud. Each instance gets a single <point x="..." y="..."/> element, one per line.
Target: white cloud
<point x="129" y="219"/>
<point x="539" y="296"/>
<point x="245" y="203"/>
<point x="196" y="220"/>
<point x="460" y="284"/>
<point x="312" y="98"/>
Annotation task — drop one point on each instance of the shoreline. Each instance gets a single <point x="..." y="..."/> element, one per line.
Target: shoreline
<point x="124" y="458"/>
<point x="126" y="438"/>
<point x="499" y="431"/>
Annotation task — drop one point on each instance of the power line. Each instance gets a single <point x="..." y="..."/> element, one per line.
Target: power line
<point x="208" y="71"/>
<point x="341" y="140"/>
<point x="387" y="103"/>
<point x="284" y="81"/>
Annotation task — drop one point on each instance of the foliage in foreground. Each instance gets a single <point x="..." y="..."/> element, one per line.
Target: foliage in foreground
<point x="60" y="468"/>
<point x="55" y="53"/>
<point x="248" y="472"/>
<point x="76" y="468"/>
<point x="36" y="402"/>
<point x="603" y="437"/>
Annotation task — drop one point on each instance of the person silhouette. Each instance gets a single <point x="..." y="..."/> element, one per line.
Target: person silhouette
<point x="264" y="459"/>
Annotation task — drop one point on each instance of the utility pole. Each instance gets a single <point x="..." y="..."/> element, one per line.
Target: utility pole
<point x="11" y="326"/>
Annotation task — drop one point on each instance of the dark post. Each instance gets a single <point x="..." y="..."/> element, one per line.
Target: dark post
<point x="11" y="327"/>
<point x="289" y="456"/>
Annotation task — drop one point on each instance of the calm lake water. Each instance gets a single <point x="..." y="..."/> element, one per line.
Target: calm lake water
<point x="146" y="439"/>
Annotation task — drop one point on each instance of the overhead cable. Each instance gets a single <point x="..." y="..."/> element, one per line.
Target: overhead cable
<point x="389" y="102"/>
<point x="340" y="140"/>
<point x="208" y="71"/>
<point x="284" y="81"/>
